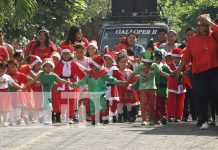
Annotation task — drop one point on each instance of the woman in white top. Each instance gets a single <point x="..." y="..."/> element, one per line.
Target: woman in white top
<point x="171" y="42"/>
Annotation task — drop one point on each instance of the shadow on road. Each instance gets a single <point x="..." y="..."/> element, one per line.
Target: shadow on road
<point x="176" y="129"/>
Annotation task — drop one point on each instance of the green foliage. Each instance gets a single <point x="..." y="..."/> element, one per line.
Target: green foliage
<point x="17" y="11"/>
<point x="184" y="13"/>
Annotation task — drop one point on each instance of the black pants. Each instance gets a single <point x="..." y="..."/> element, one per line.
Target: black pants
<point x="189" y="105"/>
<point x="205" y="90"/>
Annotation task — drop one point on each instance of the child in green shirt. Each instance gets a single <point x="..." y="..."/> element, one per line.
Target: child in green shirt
<point x="146" y="85"/>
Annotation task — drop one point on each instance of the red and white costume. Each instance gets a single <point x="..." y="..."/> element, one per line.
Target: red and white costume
<point x="112" y="95"/>
<point x="68" y="70"/>
<point x="5" y="101"/>
<point x="176" y="89"/>
<point x="126" y="95"/>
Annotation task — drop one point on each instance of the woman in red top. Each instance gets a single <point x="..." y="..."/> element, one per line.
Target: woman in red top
<point x="202" y="51"/>
<point x="42" y="46"/>
<point x="75" y="36"/>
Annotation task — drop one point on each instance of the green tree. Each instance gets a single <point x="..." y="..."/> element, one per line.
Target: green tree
<point x="184" y="13"/>
<point x="17" y="11"/>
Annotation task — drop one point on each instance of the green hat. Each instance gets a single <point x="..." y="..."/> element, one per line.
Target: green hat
<point x="159" y="52"/>
<point x="148" y="57"/>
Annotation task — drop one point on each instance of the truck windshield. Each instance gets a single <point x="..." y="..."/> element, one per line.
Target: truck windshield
<point x="111" y="36"/>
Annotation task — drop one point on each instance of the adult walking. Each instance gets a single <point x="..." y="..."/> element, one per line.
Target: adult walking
<point x="202" y="51"/>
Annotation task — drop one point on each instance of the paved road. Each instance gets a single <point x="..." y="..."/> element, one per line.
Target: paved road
<point x="174" y="136"/>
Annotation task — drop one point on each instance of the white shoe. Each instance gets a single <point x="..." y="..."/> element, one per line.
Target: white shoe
<point x="204" y="126"/>
<point x="47" y="123"/>
<point x="5" y="124"/>
<point x="71" y="122"/>
<point x="216" y="120"/>
<point x="144" y="123"/>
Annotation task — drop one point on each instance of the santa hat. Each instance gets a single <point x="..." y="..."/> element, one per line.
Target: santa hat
<point x="98" y="62"/>
<point x="18" y="51"/>
<point x="106" y="49"/>
<point x="168" y="54"/>
<point x="67" y="49"/>
<point x="48" y="61"/>
<point x="177" y="52"/>
<point x="56" y="54"/>
<point x="34" y="60"/>
<point x="111" y="55"/>
<point x="94" y="44"/>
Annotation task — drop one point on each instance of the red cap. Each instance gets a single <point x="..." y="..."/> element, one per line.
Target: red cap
<point x="98" y="62"/>
<point x="177" y="52"/>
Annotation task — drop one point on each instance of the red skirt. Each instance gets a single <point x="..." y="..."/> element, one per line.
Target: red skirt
<point x="38" y="97"/>
<point x="55" y="103"/>
<point x="30" y="103"/>
<point x="5" y="100"/>
<point x="18" y="99"/>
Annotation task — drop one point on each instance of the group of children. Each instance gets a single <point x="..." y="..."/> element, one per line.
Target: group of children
<point x="50" y="90"/>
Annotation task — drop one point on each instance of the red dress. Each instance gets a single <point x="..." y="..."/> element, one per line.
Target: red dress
<point x="25" y="69"/>
<point x="126" y="95"/>
<point x="69" y="71"/>
<point x="37" y="94"/>
<point x="18" y="98"/>
<point x="176" y="96"/>
<point x="42" y="53"/>
<point x="112" y="92"/>
<point x="112" y="95"/>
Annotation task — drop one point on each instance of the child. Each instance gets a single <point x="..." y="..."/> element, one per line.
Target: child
<point x="147" y="87"/>
<point x="112" y="92"/>
<point x="96" y="80"/>
<point x="35" y="63"/>
<point x="162" y="91"/>
<point x="47" y="78"/>
<point x="18" y="99"/>
<point x="92" y="49"/>
<point x="5" y="102"/>
<point x="68" y="70"/>
<point x="168" y="58"/>
<point x="56" y="112"/>
<point x="56" y="57"/>
<point x="19" y="56"/>
<point x="83" y="63"/>
<point x="176" y="90"/>
<point x="127" y="97"/>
